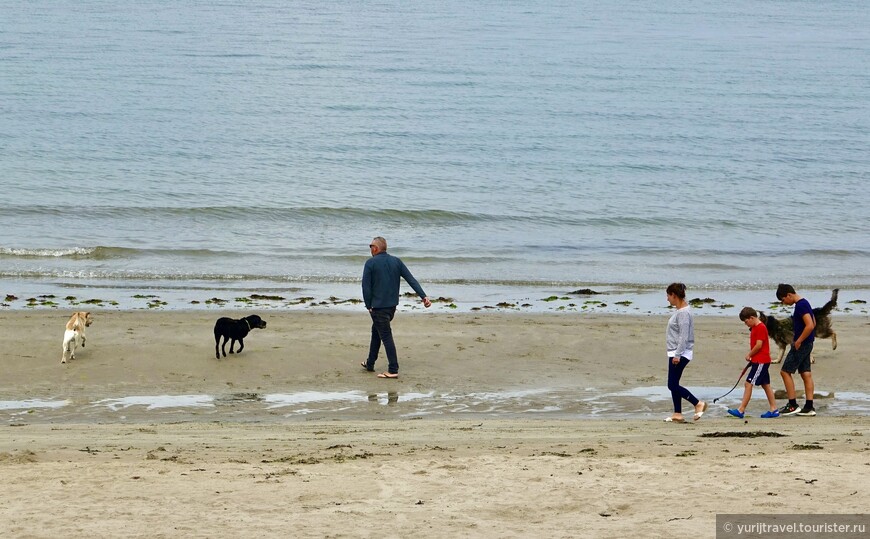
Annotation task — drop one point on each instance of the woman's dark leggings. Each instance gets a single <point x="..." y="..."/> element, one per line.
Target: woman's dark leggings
<point x="678" y="392"/>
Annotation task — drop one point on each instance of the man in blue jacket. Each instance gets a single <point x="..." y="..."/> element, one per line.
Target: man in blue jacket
<point x="380" y="287"/>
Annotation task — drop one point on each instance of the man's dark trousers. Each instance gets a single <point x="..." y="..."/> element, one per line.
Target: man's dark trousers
<point x="381" y="332"/>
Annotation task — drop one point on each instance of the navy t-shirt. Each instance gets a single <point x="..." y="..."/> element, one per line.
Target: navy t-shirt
<point x="801" y="308"/>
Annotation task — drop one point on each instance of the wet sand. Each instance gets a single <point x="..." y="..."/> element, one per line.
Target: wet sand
<point x="510" y="454"/>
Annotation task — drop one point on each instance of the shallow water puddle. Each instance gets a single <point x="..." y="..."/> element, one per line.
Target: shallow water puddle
<point x="157" y="402"/>
<point x="31" y="404"/>
<point x="589" y="403"/>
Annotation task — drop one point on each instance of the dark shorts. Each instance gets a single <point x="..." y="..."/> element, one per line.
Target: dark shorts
<point x="758" y="374"/>
<point x="798" y="360"/>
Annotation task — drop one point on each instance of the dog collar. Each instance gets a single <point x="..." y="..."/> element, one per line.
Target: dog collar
<point x="248" y="323"/>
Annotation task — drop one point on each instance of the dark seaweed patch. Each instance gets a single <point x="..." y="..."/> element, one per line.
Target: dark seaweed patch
<point x="806" y="447"/>
<point x="585" y="292"/>
<point x="265" y="297"/>
<point x="752" y="434"/>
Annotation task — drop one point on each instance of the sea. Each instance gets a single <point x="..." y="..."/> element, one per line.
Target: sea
<point x="201" y="154"/>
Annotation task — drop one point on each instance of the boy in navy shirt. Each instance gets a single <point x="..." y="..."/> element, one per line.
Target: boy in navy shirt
<point x="798" y="358"/>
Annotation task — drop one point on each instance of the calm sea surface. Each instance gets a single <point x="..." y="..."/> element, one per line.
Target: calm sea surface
<point x="259" y="146"/>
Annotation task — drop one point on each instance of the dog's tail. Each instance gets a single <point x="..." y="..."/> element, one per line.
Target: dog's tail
<point x="830" y="305"/>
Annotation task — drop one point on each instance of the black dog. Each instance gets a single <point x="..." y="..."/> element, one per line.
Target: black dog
<point x="782" y="331"/>
<point x="234" y="330"/>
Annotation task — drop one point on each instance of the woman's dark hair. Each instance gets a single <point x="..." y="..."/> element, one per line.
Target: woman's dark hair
<point x="677" y="289"/>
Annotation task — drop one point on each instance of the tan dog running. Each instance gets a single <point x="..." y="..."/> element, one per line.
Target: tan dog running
<point x="75" y="334"/>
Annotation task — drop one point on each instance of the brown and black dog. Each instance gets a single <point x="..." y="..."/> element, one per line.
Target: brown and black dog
<point x="782" y="331"/>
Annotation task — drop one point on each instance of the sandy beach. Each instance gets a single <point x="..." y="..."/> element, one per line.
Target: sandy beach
<point x="480" y="437"/>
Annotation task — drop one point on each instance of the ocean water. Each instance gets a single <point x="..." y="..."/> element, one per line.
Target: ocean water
<point x="191" y="149"/>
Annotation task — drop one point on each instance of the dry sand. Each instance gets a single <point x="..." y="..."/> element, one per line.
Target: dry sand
<point x="387" y="471"/>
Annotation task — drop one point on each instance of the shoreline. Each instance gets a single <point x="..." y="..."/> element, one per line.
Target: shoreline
<point x="346" y="297"/>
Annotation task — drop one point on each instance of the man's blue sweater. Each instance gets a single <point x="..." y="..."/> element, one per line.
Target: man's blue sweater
<point x="380" y="281"/>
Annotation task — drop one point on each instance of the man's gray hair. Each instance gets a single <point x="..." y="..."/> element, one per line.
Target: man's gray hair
<point x="380" y="242"/>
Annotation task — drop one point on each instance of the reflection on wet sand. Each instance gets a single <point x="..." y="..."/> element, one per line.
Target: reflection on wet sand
<point x="392" y="397"/>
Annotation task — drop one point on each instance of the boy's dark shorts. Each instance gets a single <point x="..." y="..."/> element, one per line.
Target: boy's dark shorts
<point x="758" y="374"/>
<point x="798" y="360"/>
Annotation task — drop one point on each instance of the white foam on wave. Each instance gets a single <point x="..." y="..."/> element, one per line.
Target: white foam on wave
<point x="80" y="251"/>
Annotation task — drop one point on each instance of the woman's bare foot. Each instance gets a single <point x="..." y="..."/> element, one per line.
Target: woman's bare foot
<point x="700" y="408"/>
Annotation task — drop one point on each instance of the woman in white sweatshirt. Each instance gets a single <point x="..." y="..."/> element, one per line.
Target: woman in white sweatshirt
<point x="680" y="341"/>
